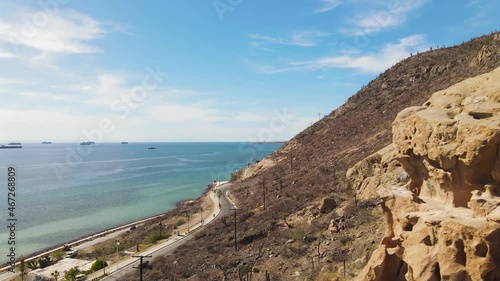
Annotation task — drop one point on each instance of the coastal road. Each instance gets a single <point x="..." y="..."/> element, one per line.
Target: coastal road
<point x="129" y="266"/>
<point x="83" y="243"/>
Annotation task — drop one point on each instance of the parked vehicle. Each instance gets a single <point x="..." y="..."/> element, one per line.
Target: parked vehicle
<point x="71" y="254"/>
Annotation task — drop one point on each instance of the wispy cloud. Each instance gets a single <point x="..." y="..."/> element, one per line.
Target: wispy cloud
<point x="45" y="96"/>
<point x="260" y="46"/>
<point x="177" y="112"/>
<point x="327" y="5"/>
<point x="302" y="38"/>
<point x="42" y="123"/>
<point x="370" y="63"/>
<point x="251" y="117"/>
<point x="67" y="31"/>
<point x="6" y="55"/>
<point x="5" y="80"/>
<point x="481" y="14"/>
<point x="391" y="15"/>
<point x="104" y="89"/>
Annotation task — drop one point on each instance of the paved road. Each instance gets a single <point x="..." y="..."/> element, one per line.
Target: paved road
<point x="78" y="245"/>
<point x="128" y="266"/>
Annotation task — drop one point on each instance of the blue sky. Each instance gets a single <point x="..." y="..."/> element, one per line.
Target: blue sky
<point x="217" y="70"/>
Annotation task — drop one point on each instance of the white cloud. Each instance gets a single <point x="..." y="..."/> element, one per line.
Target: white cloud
<point x="176" y="112"/>
<point x="235" y="131"/>
<point x="62" y="31"/>
<point x="5" y="81"/>
<point x="394" y="14"/>
<point x="6" y="55"/>
<point x="328" y="5"/>
<point x="46" y="96"/>
<point x="302" y="38"/>
<point x="37" y="124"/>
<point x="179" y="93"/>
<point x="370" y="63"/>
<point x="104" y="89"/>
<point x="260" y="46"/>
<point x="250" y="117"/>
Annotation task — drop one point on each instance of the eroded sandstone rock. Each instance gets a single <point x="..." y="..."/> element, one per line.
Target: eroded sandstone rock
<point x="450" y="145"/>
<point x="444" y="223"/>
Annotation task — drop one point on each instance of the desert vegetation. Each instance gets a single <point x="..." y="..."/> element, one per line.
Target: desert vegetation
<point x="295" y="237"/>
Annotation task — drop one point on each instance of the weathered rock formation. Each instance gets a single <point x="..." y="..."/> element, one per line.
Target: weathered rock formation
<point x="449" y="146"/>
<point x="439" y="185"/>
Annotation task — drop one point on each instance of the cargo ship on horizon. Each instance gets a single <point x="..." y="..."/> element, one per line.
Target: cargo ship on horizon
<point x="11" y="145"/>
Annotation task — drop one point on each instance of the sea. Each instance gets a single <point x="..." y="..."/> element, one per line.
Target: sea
<point x="64" y="191"/>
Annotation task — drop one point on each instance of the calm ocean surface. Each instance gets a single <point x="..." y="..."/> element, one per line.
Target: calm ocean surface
<point x="65" y="191"/>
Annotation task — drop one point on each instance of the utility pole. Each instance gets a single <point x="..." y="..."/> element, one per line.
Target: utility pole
<point x="104" y="258"/>
<point x="21" y="267"/>
<point x="141" y="265"/>
<point x="201" y="215"/>
<point x="264" y="189"/>
<point x="235" y="242"/>
<point x="117" y="254"/>
<point x="160" y="229"/>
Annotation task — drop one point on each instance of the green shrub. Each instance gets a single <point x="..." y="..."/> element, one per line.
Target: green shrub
<point x="98" y="264"/>
<point x="71" y="274"/>
<point x="180" y="222"/>
<point x="236" y="175"/>
<point x="58" y="255"/>
<point x="155" y="236"/>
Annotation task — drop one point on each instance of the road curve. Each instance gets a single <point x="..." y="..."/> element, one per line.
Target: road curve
<point x="128" y="266"/>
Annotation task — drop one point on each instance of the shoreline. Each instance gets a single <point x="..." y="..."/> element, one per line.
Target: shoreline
<point x="86" y="238"/>
<point x="169" y="245"/>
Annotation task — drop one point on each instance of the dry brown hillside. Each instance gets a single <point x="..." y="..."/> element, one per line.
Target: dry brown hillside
<point x="291" y="238"/>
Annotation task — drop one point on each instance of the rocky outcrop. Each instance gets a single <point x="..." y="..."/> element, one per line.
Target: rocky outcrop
<point x="424" y="241"/>
<point x="327" y="205"/>
<point x="442" y="212"/>
<point x="486" y="53"/>
<point x="449" y="146"/>
<point x="379" y="169"/>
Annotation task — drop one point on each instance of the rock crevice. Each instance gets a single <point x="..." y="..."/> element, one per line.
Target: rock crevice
<point x="441" y="203"/>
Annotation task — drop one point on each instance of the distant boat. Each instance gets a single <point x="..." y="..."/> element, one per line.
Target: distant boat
<point x="47" y="142"/>
<point x="152" y="147"/>
<point x="11" y="145"/>
<point x="87" y="143"/>
<point x="124" y="142"/>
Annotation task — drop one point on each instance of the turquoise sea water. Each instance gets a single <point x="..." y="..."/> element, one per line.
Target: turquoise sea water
<point x="65" y="191"/>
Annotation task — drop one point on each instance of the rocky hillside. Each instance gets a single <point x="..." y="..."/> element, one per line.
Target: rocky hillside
<point x="442" y="207"/>
<point x="317" y="224"/>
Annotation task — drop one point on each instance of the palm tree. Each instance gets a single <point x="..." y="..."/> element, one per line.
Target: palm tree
<point x="219" y="195"/>
<point x="201" y="215"/>
<point x="55" y="274"/>
<point x="21" y="267"/>
<point x="188" y="216"/>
